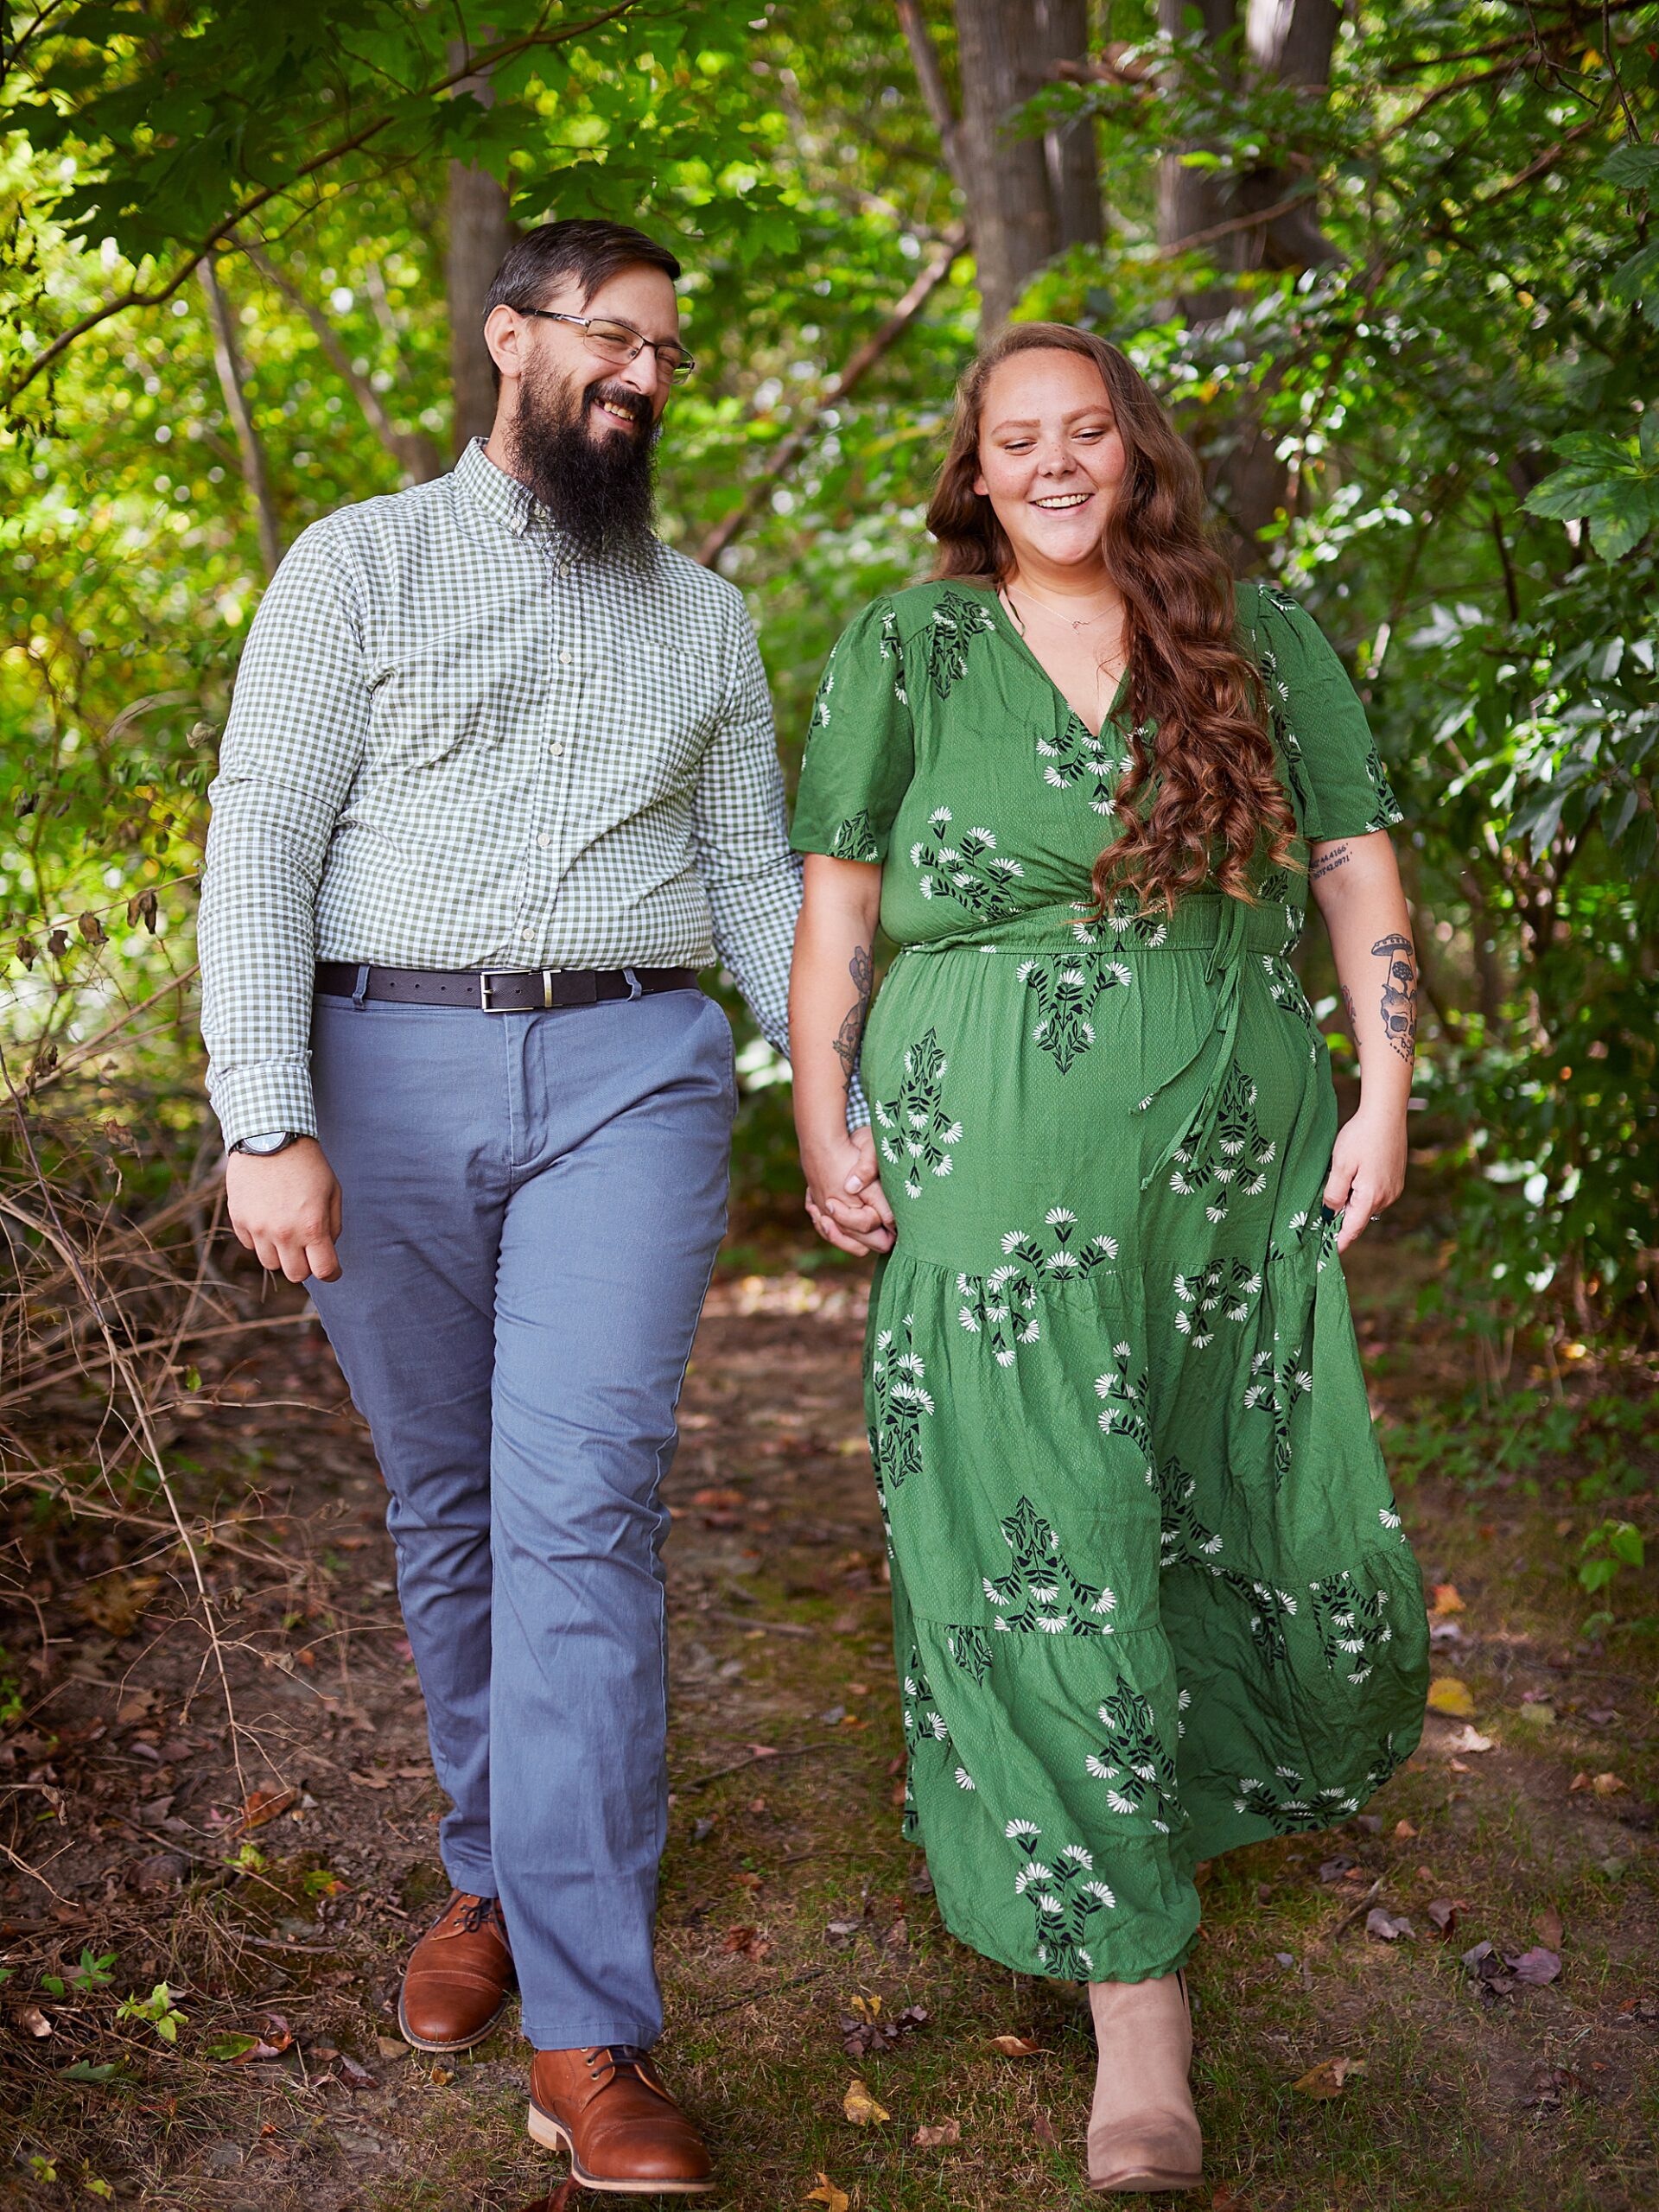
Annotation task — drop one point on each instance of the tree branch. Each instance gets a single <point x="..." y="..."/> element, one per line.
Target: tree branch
<point x="790" y="450"/>
<point x="931" y="77"/>
<point x="228" y="363"/>
<point x="139" y="298"/>
<point x="415" y="453"/>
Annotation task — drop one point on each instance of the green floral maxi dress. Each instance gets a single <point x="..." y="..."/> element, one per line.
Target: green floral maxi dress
<point x="1151" y="1598"/>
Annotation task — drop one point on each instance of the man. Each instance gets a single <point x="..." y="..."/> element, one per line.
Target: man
<point x="498" y="776"/>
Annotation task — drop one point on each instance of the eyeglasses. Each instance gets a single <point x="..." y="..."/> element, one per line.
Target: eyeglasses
<point x="615" y="341"/>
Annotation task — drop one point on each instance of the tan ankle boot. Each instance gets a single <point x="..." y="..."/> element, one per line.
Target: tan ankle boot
<point x="1143" y="2132"/>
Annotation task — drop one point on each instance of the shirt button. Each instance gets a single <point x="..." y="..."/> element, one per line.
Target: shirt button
<point x="564" y="659"/>
<point x="556" y="747"/>
<point x="543" y="841"/>
<point x="524" y="935"/>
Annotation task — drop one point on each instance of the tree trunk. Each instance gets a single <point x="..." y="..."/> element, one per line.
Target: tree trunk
<point x="1027" y="198"/>
<point x="479" y="231"/>
<point x="228" y="362"/>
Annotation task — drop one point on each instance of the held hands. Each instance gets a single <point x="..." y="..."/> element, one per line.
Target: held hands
<point x="285" y="1208"/>
<point x="1368" y="1171"/>
<point x="844" y="1198"/>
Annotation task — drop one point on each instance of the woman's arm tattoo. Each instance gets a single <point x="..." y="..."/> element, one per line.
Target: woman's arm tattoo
<point x="1399" y="994"/>
<point x="1352" y="1011"/>
<point x="862" y="971"/>
<point x="1333" y="857"/>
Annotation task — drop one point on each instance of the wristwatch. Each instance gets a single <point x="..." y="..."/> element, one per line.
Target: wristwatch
<point x="272" y="1140"/>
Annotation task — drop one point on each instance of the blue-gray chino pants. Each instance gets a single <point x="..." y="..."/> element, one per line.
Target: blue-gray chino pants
<point x="533" y="1206"/>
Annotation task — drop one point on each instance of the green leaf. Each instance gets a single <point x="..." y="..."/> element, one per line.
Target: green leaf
<point x="1632" y="167"/>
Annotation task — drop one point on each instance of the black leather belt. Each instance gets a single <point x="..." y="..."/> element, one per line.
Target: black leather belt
<point x="509" y="990"/>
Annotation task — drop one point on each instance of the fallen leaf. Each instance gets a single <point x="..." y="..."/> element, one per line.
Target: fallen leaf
<point x="391" y="2047"/>
<point x="1329" y="2077"/>
<point x="261" y="1805"/>
<point x="1387" y="1927"/>
<point x="373" y="1781"/>
<point x="358" y="2076"/>
<point x="1605" y="1784"/>
<point x="1460" y="1766"/>
<point x="1471" y="1739"/>
<point x="137" y="1704"/>
<point x="744" y="1943"/>
<point x="860" y="2108"/>
<point x="1549" y="1924"/>
<point x="720" y="1500"/>
<point x="763" y="1751"/>
<point x="115" y="1602"/>
<point x="928" y="2139"/>
<point x="35" y="2021"/>
<point x="1448" y="1695"/>
<point x="1443" y="1913"/>
<point x="1538" y="1714"/>
<point x="1045" y="2130"/>
<point x="1404" y="1828"/>
<point x="826" y="2193"/>
<point x="1447" y="1599"/>
<point x="1016" y="2046"/>
<point x="1537" y="1966"/>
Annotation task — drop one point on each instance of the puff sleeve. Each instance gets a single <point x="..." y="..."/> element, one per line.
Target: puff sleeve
<point x="861" y="751"/>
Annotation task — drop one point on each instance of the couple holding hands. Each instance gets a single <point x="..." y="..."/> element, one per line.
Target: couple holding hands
<point x="499" y="777"/>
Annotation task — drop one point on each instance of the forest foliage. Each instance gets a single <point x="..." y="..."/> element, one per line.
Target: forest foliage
<point x="224" y="233"/>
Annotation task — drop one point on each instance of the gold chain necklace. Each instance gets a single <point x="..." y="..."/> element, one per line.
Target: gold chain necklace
<point x="1081" y="622"/>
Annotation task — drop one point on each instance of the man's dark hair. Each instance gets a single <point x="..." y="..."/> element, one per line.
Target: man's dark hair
<point x="553" y="253"/>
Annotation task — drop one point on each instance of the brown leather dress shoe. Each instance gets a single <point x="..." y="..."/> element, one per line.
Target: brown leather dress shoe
<point x="456" y="1982"/>
<point x="608" y="2108"/>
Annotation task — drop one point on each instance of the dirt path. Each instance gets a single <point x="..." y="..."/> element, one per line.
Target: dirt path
<point x="795" y="1922"/>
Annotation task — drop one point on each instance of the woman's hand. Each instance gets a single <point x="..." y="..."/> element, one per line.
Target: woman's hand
<point x="844" y="1198"/>
<point x="1368" y="1171"/>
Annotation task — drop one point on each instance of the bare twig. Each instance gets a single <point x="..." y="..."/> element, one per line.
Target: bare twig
<point x="790" y="448"/>
<point x="415" y="453"/>
<point x="51" y="1230"/>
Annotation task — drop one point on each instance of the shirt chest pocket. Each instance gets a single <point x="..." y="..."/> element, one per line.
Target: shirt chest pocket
<point x="457" y="696"/>
<point x="658" y="701"/>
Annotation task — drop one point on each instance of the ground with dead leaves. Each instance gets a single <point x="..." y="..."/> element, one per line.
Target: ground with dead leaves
<point x="1450" y="2001"/>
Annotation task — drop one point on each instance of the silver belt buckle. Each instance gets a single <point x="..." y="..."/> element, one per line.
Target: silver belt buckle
<point x="486" y="976"/>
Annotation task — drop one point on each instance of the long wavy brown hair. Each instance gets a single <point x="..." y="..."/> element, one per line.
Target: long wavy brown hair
<point x="1204" y="804"/>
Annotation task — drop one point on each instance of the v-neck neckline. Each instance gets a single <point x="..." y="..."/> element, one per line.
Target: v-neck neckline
<point x="1009" y="630"/>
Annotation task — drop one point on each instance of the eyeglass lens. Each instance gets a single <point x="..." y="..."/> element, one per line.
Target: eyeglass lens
<point x="616" y="338"/>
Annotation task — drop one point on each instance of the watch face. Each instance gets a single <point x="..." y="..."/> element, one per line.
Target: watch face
<point x="275" y="1140"/>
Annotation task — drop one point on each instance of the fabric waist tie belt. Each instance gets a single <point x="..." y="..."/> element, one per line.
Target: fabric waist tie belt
<point x="512" y="990"/>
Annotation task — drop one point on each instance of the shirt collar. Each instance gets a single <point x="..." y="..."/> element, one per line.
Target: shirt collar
<point x="507" y="500"/>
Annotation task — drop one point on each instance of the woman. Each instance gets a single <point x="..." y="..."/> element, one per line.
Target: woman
<point x="1151" y="1595"/>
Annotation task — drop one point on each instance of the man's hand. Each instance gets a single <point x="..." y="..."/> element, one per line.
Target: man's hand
<point x="844" y="1198"/>
<point x="285" y="1208"/>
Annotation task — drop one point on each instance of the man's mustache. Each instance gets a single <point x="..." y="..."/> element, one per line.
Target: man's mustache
<point x="635" y="403"/>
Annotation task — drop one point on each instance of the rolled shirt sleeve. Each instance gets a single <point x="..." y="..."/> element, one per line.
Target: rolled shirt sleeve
<point x="292" y="746"/>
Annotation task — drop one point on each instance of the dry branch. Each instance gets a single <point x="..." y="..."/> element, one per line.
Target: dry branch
<point x="789" y="451"/>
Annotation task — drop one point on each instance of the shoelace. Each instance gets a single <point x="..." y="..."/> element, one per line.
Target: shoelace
<point x="476" y="1916"/>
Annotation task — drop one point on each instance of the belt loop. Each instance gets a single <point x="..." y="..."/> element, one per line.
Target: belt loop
<point x="360" y="989"/>
<point x="636" y="989"/>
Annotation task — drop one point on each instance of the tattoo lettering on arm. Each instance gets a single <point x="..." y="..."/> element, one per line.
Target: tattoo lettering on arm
<point x="1334" y="857"/>
<point x="862" y="971"/>
<point x="1353" y="1011"/>
<point x="1399" y="994"/>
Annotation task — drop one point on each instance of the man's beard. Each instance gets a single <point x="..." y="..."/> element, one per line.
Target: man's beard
<point x="598" y="489"/>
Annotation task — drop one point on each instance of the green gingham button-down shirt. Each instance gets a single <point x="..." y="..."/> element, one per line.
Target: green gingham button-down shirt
<point x="455" y="743"/>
